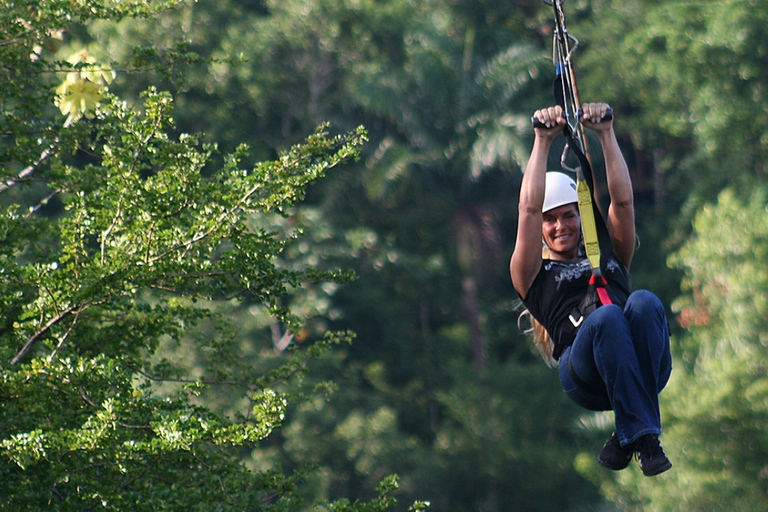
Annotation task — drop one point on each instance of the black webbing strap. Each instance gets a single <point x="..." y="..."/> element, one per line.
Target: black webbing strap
<point x="603" y="237"/>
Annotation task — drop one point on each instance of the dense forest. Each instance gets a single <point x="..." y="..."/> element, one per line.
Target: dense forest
<point x="255" y="253"/>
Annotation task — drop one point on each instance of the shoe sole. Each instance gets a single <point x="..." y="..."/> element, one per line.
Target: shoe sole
<point x="659" y="470"/>
<point x="607" y="465"/>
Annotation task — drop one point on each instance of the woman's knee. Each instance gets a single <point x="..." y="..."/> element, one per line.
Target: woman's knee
<point x="608" y="315"/>
<point x="608" y="322"/>
<point x="644" y="303"/>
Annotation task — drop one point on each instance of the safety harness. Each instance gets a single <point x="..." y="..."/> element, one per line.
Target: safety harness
<point x="597" y="243"/>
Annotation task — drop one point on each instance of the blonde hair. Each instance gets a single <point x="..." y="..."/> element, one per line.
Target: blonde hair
<point x="541" y="338"/>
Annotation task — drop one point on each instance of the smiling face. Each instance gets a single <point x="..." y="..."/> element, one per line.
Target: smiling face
<point x="561" y="229"/>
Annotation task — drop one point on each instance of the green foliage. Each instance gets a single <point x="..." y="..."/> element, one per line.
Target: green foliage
<point x="513" y="434"/>
<point x="121" y="235"/>
<point x="153" y="275"/>
<point x="690" y="79"/>
<point x="721" y="398"/>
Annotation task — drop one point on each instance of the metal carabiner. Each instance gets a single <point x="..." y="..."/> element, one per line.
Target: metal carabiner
<point x="564" y="159"/>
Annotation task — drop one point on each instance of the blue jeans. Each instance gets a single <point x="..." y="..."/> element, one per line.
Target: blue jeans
<point x="620" y="361"/>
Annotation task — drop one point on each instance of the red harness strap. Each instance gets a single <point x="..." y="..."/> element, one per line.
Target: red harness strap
<point x="600" y="288"/>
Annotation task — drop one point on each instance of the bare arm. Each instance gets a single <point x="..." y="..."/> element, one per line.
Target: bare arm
<point x="621" y="211"/>
<point x="526" y="258"/>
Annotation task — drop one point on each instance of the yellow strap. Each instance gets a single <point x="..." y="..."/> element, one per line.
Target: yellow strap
<point x="588" y="226"/>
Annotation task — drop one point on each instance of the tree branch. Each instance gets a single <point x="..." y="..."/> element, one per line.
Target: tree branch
<point x="27" y="171"/>
<point x="39" y="334"/>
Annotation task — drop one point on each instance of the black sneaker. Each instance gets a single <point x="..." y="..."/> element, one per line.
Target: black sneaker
<point x="613" y="456"/>
<point x="651" y="455"/>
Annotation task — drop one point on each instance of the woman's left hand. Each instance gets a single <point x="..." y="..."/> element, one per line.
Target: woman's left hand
<point x="593" y="116"/>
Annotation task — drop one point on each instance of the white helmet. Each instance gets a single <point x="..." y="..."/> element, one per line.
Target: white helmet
<point x="560" y="190"/>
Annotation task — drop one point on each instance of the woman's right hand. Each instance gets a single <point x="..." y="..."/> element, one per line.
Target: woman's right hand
<point x="551" y="122"/>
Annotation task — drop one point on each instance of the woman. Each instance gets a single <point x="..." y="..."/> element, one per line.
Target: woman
<point x="618" y="357"/>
